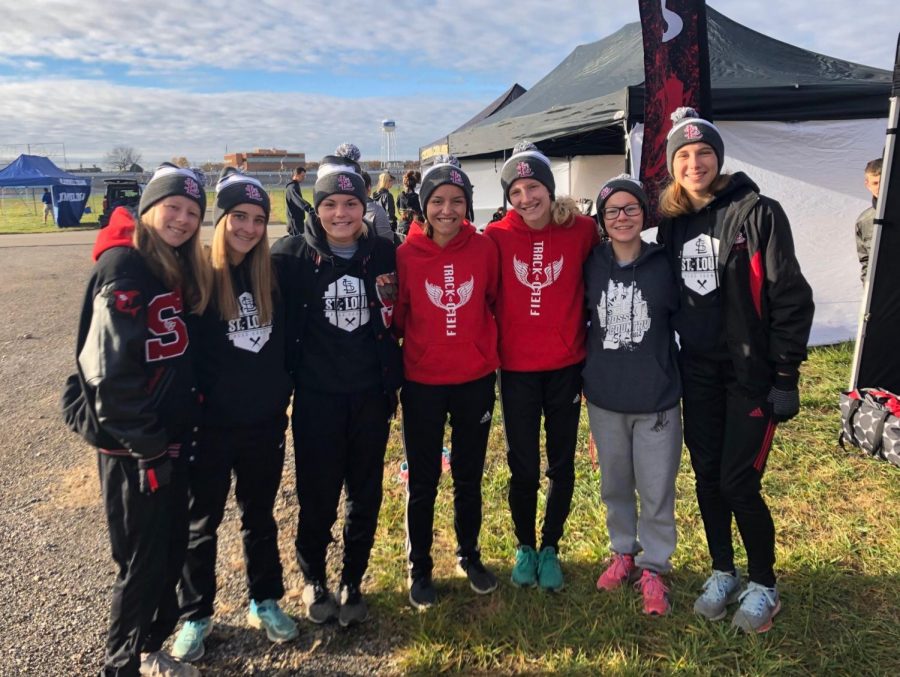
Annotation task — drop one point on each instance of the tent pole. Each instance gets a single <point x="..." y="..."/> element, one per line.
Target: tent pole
<point x="890" y="145"/>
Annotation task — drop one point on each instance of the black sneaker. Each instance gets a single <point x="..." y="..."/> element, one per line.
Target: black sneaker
<point x="353" y="605"/>
<point x="481" y="580"/>
<point x="320" y="605"/>
<point x="422" y="594"/>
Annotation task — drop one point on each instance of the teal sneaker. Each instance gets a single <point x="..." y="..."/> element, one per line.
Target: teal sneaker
<point x="188" y="645"/>
<point x="268" y="616"/>
<point x="550" y="576"/>
<point x="525" y="571"/>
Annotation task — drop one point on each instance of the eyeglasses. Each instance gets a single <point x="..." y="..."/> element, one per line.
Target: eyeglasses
<point x="612" y="213"/>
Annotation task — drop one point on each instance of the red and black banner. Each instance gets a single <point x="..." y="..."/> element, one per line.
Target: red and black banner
<point x="877" y="363"/>
<point x="676" y="73"/>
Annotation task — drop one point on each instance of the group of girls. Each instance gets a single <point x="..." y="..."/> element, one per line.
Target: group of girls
<point x="188" y="360"/>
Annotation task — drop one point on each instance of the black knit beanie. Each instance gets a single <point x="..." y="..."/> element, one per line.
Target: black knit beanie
<point x="622" y="182"/>
<point x="445" y="169"/>
<point x="235" y="188"/>
<point x="171" y="180"/>
<point x="687" y="128"/>
<point x="527" y="162"/>
<point x="340" y="173"/>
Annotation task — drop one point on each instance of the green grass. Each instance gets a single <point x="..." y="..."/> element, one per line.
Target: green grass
<point x="838" y="523"/>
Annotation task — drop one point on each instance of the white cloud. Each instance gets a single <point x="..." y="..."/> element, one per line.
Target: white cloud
<point x="91" y="117"/>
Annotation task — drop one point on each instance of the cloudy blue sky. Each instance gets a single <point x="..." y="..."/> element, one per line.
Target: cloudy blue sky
<point x="190" y="78"/>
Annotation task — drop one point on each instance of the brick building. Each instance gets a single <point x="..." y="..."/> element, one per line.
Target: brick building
<point x="265" y="160"/>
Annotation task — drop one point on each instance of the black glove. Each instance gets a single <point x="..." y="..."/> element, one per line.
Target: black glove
<point x="784" y="396"/>
<point x="155" y="474"/>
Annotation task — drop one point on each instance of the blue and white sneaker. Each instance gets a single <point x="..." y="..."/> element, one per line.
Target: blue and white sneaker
<point x="759" y="605"/>
<point x="719" y="590"/>
<point x="188" y="646"/>
<point x="268" y="616"/>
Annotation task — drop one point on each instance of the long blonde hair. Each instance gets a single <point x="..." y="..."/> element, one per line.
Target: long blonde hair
<point x="185" y="270"/>
<point x="383" y="180"/>
<point x="262" y="280"/>
<point x="674" y="200"/>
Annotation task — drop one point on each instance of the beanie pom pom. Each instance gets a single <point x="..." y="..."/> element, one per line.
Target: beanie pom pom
<point x="447" y="160"/>
<point x="349" y="151"/>
<point x="683" y="112"/>
<point x="524" y="146"/>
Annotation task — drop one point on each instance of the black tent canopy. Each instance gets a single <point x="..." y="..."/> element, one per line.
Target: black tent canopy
<point x="581" y="106"/>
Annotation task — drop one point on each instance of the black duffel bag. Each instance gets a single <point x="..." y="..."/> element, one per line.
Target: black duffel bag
<point x="870" y="420"/>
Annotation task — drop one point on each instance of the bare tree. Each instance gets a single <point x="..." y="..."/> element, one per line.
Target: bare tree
<point x="122" y="158"/>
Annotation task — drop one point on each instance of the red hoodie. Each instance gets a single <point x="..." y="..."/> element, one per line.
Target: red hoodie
<point x="118" y="233"/>
<point x="540" y="307"/>
<point x="445" y="307"/>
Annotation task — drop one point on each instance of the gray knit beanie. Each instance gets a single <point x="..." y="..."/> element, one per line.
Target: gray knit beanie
<point x="445" y="170"/>
<point x="169" y="179"/>
<point x="235" y="188"/>
<point x="527" y="162"/>
<point x="622" y="182"/>
<point x="340" y="173"/>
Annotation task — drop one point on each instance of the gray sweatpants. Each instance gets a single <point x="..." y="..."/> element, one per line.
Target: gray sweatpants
<point x="639" y="452"/>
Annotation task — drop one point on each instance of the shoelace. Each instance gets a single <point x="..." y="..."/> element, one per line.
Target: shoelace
<point x="620" y="566"/>
<point x="653" y="586"/>
<point x="717" y="584"/>
<point x="760" y="597"/>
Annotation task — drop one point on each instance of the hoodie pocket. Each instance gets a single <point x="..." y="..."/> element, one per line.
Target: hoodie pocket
<point x="622" y="381"/>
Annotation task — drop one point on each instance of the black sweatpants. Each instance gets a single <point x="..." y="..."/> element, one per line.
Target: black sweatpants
<point x="526" y="396"/>
<point x="256" y="456"/>
<point x="148" y="534"/>
<point x="470" y="407"/>
<point x="729" y="432"/>
<point x="339" y="441"/>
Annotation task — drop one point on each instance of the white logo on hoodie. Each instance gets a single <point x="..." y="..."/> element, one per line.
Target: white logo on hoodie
<point x="698" y="264"/>
<point x="346" y="303"/>
<point x="624" y="315"/>
<point x="245" y="332"/>
<point x="449" y="297"/>
<point x="537" y="275"/>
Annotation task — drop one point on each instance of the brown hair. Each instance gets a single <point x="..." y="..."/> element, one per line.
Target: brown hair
<point x="262" y="280"/>
<point x="563" y="211"/>
<point x="185" y="269"/>
<point x="873" y="167"/>
<point x="674" y="200"/>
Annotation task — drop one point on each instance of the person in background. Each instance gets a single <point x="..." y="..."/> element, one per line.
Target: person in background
<point x="447" y="276"/>
<point x="409" y="198"/>
<point x="298" y="209"/>
<point x="346" y="367"/>
<point x="47" y="201"/>
<point x="499" y="214"/>
<point x="743" y="325"/>
<point x="135" y="364"/>
<point x="246" y="389"/>
<point x="543" y="243"/>
<point x="375" y="213"/>
<point x="633" y="389"/>
<point x="865" y="223"/>
<point x="383" y="196"/>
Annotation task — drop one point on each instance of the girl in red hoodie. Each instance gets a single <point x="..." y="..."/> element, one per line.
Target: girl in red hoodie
<point x="447" y="287"/>
<point x="543" y="243"/>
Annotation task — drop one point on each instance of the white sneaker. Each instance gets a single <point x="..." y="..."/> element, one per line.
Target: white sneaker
<point x="719" y="590"/>
<point x="759" y="605"/>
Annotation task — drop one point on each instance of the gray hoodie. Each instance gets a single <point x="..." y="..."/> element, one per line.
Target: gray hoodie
<point x="631" y="354"/>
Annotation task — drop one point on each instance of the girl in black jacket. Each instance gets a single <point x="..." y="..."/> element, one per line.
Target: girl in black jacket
<point x="346" y="367"/>
<point x="246" y="388"/>
<point x="745" y="316"/>
<point x="136" y="373"/>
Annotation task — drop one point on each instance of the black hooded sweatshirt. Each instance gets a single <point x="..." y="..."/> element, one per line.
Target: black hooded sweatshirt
<point x="337" y="326"/>
<point x="631" y="353"/>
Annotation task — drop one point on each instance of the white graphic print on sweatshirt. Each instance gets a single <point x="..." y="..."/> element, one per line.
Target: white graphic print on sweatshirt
<point x="449" y="297"/>
<point x="246" y="332"/>
<point x="699" y="260"/>
<point x="346" y="304"/>
<point x="538" y="275"/>
<point x="624" y="316"/>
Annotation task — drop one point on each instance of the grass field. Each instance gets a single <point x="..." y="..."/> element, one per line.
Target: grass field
<point x="19" y="215"/>
<point x="838" y="522"/>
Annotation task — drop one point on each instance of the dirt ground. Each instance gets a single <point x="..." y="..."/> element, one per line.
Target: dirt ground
<point x="56" y="572"/>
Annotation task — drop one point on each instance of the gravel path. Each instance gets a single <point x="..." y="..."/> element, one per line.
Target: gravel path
<point x="56" y="571"/>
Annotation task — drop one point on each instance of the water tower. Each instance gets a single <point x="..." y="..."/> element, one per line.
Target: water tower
<point x="389" y="145"/>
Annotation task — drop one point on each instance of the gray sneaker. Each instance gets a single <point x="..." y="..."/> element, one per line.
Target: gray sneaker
<point x="161" y="664"/>
<point x="720" y="590"/>
<point x="319" y="602"/>
<point x="354" y="609"/>
<point x="759" y="605"/>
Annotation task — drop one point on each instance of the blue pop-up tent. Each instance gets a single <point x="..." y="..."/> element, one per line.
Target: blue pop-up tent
<point x="70" y="192"/>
